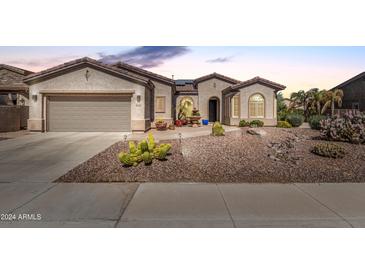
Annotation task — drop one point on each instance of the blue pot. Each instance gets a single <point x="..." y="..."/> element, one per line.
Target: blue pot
<point x="205" y="122"/>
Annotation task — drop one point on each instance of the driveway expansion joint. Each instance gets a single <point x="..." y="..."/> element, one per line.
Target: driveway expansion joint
<point x="323" y="204"/>
<point x="33" y="198"/>
<point x="226" y="205"/>
<point x="125" y="206"/>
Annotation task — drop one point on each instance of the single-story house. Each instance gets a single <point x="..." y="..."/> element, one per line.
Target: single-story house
<point x="353" y="92"/>
<point x="87" y="95"/>
<point x="13" y="91"/>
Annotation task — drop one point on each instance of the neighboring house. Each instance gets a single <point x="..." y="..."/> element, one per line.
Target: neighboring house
<point x="86" y="95"/>
<point x="354" y="92"/>
<point x="12" y="89"/>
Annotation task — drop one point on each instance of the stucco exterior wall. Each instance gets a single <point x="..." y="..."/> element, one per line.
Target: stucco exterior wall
<point x="270" y="104"/>
<point x="76" y="81"/>
<point x="163" y="90"/>
<point x="206" y="91"/>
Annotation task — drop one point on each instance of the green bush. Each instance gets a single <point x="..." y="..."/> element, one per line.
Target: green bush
<point x="282" y="115"/>
<point x="295" y="119"/>
<point x="217" y="129"/>
<point x="243" y="123"/>
<point x="315" y="121"/>
<point x="256" y="123"/>
<point x="145" y="151"/>
<point x="329" y="150"/>
<point x="283" y="124"/>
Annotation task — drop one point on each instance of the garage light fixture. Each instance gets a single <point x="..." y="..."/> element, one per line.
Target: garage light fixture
<point x="34" y="97"/>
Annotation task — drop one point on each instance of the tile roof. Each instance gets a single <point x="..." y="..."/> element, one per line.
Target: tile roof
<point x="86" y="61"/>
<point x="255" y="80"/>
<point x="143" y="72"/>
<point x="11" y="78"/>
<point x="218" y="76"/>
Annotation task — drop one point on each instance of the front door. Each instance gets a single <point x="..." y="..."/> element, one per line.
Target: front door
<point x="213" y="110"/>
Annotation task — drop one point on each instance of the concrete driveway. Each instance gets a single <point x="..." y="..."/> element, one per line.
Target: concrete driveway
<point x="43" y="157"/>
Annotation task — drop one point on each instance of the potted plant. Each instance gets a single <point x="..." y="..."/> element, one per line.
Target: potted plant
<point x="178" y="123"/>
<point x="195" y="117"/>
<point x="161" y="124"/>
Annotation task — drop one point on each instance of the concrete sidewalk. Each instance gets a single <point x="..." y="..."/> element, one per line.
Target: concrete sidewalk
<point x="183" y="205"/>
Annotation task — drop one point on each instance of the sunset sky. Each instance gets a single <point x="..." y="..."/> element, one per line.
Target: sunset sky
<point x="296" y="67"/>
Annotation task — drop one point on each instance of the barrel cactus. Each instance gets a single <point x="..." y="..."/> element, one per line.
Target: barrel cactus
<point x="151" y="142"/>
<point x="125" y="159"/>
<point x="145" y="151"/>
<point x="132" y="147"/>
<point x="143" y="145"/>
<point x="147" y="157"/>
<point x="161" y="151"/>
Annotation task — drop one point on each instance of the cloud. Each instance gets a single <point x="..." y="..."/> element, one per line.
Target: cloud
<point x="220" y="60"/>
<point x="145" y="57"/>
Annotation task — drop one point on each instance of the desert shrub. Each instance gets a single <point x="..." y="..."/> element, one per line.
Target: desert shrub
<point x="329" y="150"/>
<point x="217" y="129"/>
<point x="256" y="123"/>
<point x="349" y="128"/>
<point x="284" y="124"/>
<point x="243" y="123"/>
<point x="315" y="121"/>
<point x="295" y="119"/>
<point x="282" y="115"/>
<point x="145" y="151"/>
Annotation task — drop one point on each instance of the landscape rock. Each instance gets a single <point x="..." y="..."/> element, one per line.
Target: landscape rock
<point x="255" y="131"/>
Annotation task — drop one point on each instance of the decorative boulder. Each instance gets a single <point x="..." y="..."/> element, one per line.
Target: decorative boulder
<point x="255" y="131"/>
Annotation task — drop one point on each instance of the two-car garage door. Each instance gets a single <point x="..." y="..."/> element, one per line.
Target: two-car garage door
<point x="89" y="113"/>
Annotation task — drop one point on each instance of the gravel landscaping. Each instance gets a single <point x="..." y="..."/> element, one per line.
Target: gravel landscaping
<point x="279" y="155"/>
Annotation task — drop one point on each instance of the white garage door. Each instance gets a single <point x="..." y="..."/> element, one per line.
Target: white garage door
<point x="89" y="113"/>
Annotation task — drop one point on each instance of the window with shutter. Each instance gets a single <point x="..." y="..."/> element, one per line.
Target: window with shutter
<point x="160" y="104"/>
<point x="236" y="106"/>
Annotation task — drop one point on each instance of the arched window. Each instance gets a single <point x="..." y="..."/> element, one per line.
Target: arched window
<point x="257" y="106"/>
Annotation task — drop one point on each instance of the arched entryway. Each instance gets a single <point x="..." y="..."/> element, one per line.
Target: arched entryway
<point x="213" y="109"/>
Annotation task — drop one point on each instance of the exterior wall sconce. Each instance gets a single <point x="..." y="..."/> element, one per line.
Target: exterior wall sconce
<point x="34" y="97"/>
<point x="87" y="75"/>
<point x="138" y="98"/>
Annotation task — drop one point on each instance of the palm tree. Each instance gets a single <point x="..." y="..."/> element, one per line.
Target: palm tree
<point x="330" y="98"/>
<point x="297" y="99"/>
<point x="315" y="98"/>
